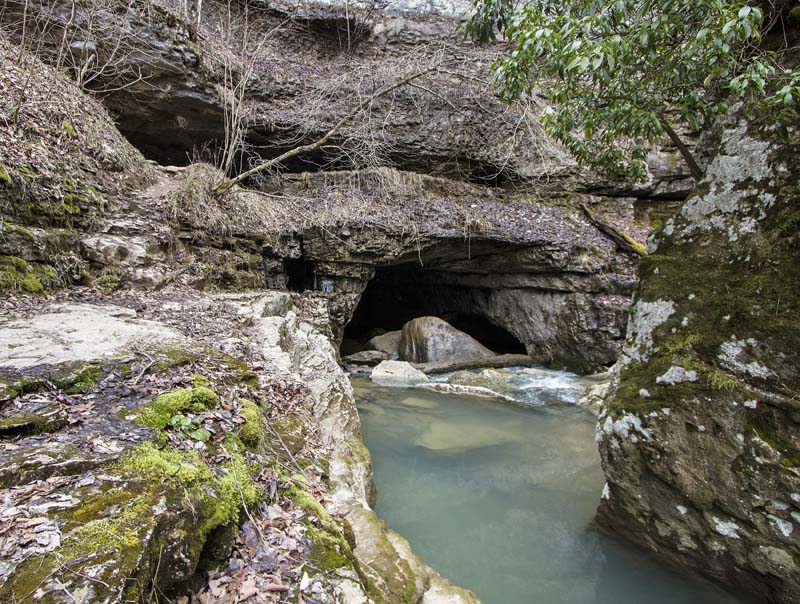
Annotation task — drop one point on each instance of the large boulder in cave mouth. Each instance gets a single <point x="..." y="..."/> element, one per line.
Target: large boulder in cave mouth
<point x="431" y="339"/>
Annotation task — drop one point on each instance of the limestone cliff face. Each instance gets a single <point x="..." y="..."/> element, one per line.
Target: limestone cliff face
<point x="446" y="178"/>
<point x="699" y="436"/>
<point x="538" y="270"/>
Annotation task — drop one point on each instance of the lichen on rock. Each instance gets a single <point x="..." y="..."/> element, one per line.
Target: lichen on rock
<point x="700" y="417"/>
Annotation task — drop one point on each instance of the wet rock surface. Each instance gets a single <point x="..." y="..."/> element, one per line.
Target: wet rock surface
<point x="430" y="339"/>
<point x="397" y="373"/>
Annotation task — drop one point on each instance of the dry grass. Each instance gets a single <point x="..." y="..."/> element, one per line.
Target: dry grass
<point x="337" y="203"/>
<point x="56" y="141"/>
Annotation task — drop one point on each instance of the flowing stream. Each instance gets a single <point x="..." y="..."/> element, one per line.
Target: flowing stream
<point x="500" y="498"/>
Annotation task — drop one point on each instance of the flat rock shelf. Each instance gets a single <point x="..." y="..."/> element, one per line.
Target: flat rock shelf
<point x="499" y="498"/>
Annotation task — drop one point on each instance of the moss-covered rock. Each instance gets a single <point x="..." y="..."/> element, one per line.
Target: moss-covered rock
<point x="45" y="419"/>
<point x="699" y="435"/>
<point x="150" y="522"/>
<point x="17" y="275"/>
<point x="138" y="518"/>
<point x="194" y="400"/>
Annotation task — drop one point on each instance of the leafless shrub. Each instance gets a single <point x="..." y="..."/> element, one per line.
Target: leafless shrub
<point x="99" y="43"/>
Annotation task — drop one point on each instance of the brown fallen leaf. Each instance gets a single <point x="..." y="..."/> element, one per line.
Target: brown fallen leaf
<point x="247" y="589"/>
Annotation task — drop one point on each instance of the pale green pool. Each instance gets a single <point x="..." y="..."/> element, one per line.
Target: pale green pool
<point x="500" y="498"/>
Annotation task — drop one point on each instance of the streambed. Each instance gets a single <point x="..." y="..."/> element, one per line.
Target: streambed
<point x="499" y="498"/>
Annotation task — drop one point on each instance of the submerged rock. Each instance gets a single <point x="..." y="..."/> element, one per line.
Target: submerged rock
<point x="397" y="373"/>
<point x="487" y="378"/>
<point x="430" y="339"/>
<point x="459" y="436"/>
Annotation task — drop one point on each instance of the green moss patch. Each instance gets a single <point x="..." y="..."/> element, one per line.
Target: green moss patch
<point x="162" y="503"/>
<point x="329" y="547"/>
<point x="158" y="414"/>
<point x="78" y="378"/>
<point x="111" y="547"/>
<point x="749" y="288"/>
<point x="218" y="497"/>
<point x="108" y="281"/>
<point x="252" y="431"/>
<point x="73" y="378"/>
<point x="17" y="275"/>
<point x="176" y="357"/>
<point x="48" y="420"/>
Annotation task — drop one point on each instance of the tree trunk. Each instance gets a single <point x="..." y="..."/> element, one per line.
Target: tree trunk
<point x="697" y="173"/>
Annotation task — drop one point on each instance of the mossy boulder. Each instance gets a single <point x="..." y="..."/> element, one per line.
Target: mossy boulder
<point x="700" y="436"/>
<point x="133" y="521"/>
<point x="145" y="520"/>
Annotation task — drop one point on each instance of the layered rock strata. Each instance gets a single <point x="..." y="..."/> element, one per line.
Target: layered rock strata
<point x="132" y="462"/>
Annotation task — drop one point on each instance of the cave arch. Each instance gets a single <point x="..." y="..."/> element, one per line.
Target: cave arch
<point x="398" y="293"/>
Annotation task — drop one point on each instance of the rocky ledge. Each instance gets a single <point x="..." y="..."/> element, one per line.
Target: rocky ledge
<point x="142" y="449"/>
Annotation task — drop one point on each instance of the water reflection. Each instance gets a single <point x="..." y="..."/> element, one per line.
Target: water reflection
<point x="499" y="498"/>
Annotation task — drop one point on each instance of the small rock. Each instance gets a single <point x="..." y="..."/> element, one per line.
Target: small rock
<point x="366" y="357"/>
<point x="397" y="373"/>
<point x="388" y="342"/>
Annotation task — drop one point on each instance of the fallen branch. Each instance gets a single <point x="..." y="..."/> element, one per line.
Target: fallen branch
<point x="145" y="368"/>
<point x="623" y="240"/>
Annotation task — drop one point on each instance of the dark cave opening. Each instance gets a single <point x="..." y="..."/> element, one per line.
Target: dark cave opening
<point x="487" y="333"/>
<point x="299" y="274"/>
<point x="397" y="294"/>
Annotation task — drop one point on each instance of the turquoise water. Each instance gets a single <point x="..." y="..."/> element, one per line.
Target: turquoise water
<point x="499" y="498"/>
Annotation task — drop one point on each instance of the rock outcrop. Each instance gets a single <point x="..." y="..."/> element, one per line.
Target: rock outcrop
<point x="449" y="194"/>
<point x="129" y="465"/>
<point x="538" y="271"/>
<point x="699" y="435"/>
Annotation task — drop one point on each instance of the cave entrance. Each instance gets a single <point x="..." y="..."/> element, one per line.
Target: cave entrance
<point x="397" y="294"/>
